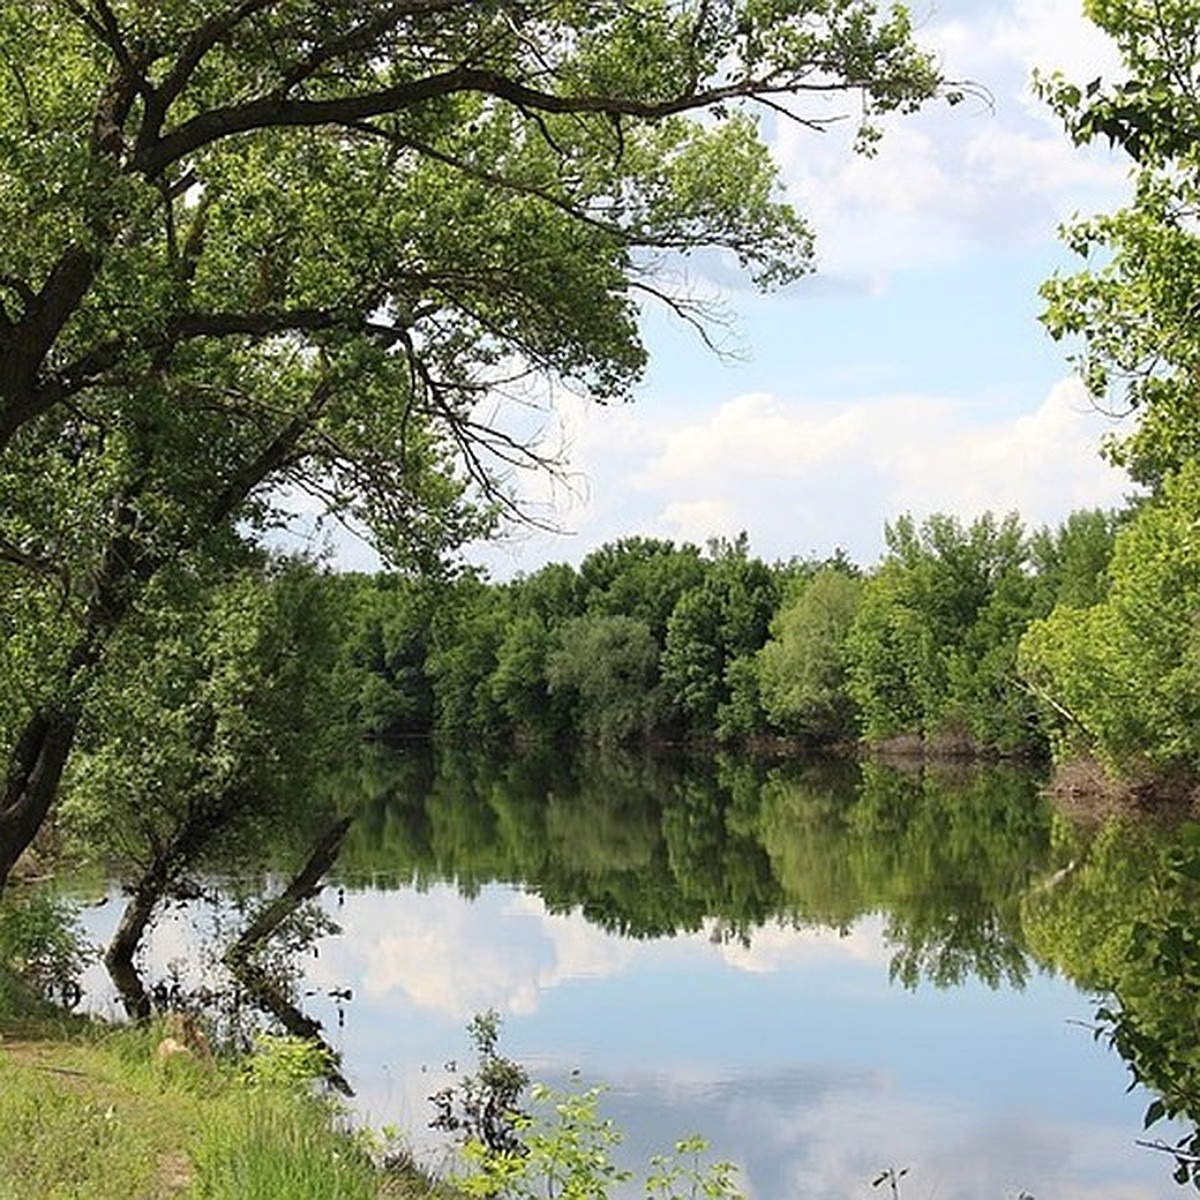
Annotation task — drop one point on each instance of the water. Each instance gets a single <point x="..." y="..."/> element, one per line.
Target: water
<point x="824" y="973"/>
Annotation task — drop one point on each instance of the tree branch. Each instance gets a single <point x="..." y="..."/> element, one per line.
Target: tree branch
<point x="278" y="111"/>
<point x="271" y="457"/>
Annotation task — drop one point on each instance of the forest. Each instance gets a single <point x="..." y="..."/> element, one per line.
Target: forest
<point x="189" y="331"/>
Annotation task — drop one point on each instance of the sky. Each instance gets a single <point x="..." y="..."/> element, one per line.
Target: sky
<point x="908" y="374"/>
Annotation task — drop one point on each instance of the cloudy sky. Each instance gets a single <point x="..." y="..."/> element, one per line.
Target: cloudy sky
<point x="910" y="373"/>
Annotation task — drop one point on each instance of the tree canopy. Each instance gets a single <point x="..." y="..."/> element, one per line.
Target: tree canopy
<point x="1117" y="669"/>
<point x="1133" y="304"/>
<point x="265" y="246"/>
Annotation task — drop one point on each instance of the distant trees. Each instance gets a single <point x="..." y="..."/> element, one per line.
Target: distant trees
<point x="649" y="641"/>
<point x="933" y="646"/>
<point x="803" y="668"/>
<point x="1121" y="678"/>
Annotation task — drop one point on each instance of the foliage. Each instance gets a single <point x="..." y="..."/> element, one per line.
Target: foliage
<point x="42" y="941"/>
<point x="933" y="645"/>
<point x="1070" y="563"/>
<point x="639" y="577"/>
<point x="652" y="642"/>
<point x="1122" y="921"/>
<point x="484" y="1109"/>
<point x="1119" y="679"/>
<point x="284" y="1061"/>
<point x="203" y="740"/>
<point x="803" y="669"/>
<point x="381" y="677"/>
<point x="606" y="669"/>
<point x="568" y="1154"/>
<point x="714" y="625"/>
<point x="1133" y="302"/>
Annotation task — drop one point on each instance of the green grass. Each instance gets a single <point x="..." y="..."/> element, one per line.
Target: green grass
<point x="87" y="1112"/>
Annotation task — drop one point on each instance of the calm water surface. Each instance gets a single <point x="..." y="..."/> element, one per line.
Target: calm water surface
<point x="824" y="971"/>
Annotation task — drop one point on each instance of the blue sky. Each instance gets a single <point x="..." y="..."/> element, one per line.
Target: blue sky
<point x="908" y="374"/>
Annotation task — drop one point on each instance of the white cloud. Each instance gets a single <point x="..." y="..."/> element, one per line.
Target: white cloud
<point x="777" y="947"/>
<point x="506" y="951"/>
<point x="985" y="174"/>
<point x="432" y="950"/>
<point x="808" y="476"/>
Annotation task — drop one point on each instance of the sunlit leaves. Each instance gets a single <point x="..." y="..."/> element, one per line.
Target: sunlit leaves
<point x="1121" y="676"/>
<point x="1133" y="305"/>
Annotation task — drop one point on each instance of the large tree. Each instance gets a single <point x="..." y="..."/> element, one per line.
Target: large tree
<point x="1118" y="670"/>
<point x="1133" y="306"/>
<point x="254" y="246"/>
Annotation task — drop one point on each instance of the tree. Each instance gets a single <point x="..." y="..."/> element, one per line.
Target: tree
<point x="1121" y="679"/>
<point x="205" y="737"/>
<point x="933" y="644"/>
<point x="1134" y="304"/>
<point x="803" y="669"/>
<point x="267" y="245"/>
<point x="380" y="673"/>
<point x="713" y="626"/>
<point x="1070" y="563"/>
<point x="606" y="670"/>
<point x="466" y="638"/>
<point x="519" y="683"/>
<point x="640" y="577"/>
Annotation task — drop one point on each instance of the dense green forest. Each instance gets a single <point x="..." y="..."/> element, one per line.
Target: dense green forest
<point x="650" y="641"/>
<point x="189" y="330"/>
<point x="266" y="248"/>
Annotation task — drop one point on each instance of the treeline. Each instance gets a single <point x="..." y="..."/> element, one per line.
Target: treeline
<point x="226" y="695"/>
<point x="649" y="641"/>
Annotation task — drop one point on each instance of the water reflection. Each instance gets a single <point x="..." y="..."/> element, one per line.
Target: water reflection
<point x="720" y="941"/>
<point x="647" y="848"/>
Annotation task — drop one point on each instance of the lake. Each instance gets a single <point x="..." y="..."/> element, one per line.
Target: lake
<point x="825" y="969"/>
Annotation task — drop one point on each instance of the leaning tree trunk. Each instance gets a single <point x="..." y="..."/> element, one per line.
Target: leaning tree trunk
<point x="35" y="770"/>
<point x="119" y="954"/>
<point x="243" y="956"/>
<point x="39" y="757"/>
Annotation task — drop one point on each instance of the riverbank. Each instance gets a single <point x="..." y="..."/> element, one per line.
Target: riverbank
<point x="114" y="1113"/>
<point x="1086" y="791"/>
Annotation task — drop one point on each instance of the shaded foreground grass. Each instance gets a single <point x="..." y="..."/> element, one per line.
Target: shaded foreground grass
<point x="87" y="1111"/>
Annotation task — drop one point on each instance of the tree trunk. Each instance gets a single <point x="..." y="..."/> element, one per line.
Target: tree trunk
<point x="242" y="956"/>
<point x="304" y="886"/>
<point x="118" y="956"/>
<point x="35" y="771"/>
<point x="37" y="761"/>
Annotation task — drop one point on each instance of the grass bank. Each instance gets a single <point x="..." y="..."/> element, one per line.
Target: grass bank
<point x="93" y="1111"/>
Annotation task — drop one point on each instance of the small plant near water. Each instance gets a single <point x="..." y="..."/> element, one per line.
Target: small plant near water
<point x="42" y="942"/>
<point x="560" y="1146"/>
<point x="286" y="1062"/>
<point x="485" y="1108"/>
